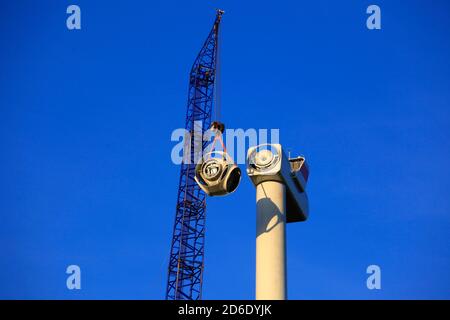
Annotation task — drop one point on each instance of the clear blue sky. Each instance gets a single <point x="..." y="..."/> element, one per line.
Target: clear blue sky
<point x="86" y="118"/>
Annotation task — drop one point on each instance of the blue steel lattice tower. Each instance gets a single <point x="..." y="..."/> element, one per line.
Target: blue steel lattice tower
<point x="187" y="251"/>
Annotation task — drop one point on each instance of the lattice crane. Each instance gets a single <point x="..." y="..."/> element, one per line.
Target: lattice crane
<point x="186" y="263"/>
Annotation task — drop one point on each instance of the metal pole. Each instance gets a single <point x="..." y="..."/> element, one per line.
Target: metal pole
<point x="271" y="241"/>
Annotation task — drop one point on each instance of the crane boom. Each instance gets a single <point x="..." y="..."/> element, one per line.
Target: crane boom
<point x="186" y="261"/>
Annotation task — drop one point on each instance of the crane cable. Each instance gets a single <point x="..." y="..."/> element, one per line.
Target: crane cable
<point x="218" y="126"/>
<point x="217" y="82"/>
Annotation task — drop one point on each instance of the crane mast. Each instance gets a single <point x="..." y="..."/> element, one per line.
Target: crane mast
<point x="186" y="261"/>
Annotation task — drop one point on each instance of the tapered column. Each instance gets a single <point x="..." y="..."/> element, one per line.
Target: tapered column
<point x="271" y="241"/>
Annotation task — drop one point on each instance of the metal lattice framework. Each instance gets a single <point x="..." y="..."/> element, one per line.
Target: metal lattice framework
<point x="186" y="262"/>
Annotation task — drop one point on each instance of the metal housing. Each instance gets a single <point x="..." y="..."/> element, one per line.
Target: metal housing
<point x="217" y="176"/>
<point x="268" y="162"/>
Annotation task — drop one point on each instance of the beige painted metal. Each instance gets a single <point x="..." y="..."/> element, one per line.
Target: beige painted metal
<point x="271" y="241"/>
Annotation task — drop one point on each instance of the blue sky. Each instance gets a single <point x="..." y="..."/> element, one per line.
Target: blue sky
<point x="86" y="119"/>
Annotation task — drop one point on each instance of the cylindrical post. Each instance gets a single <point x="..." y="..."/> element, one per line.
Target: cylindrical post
<point x="271" y="241"/>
